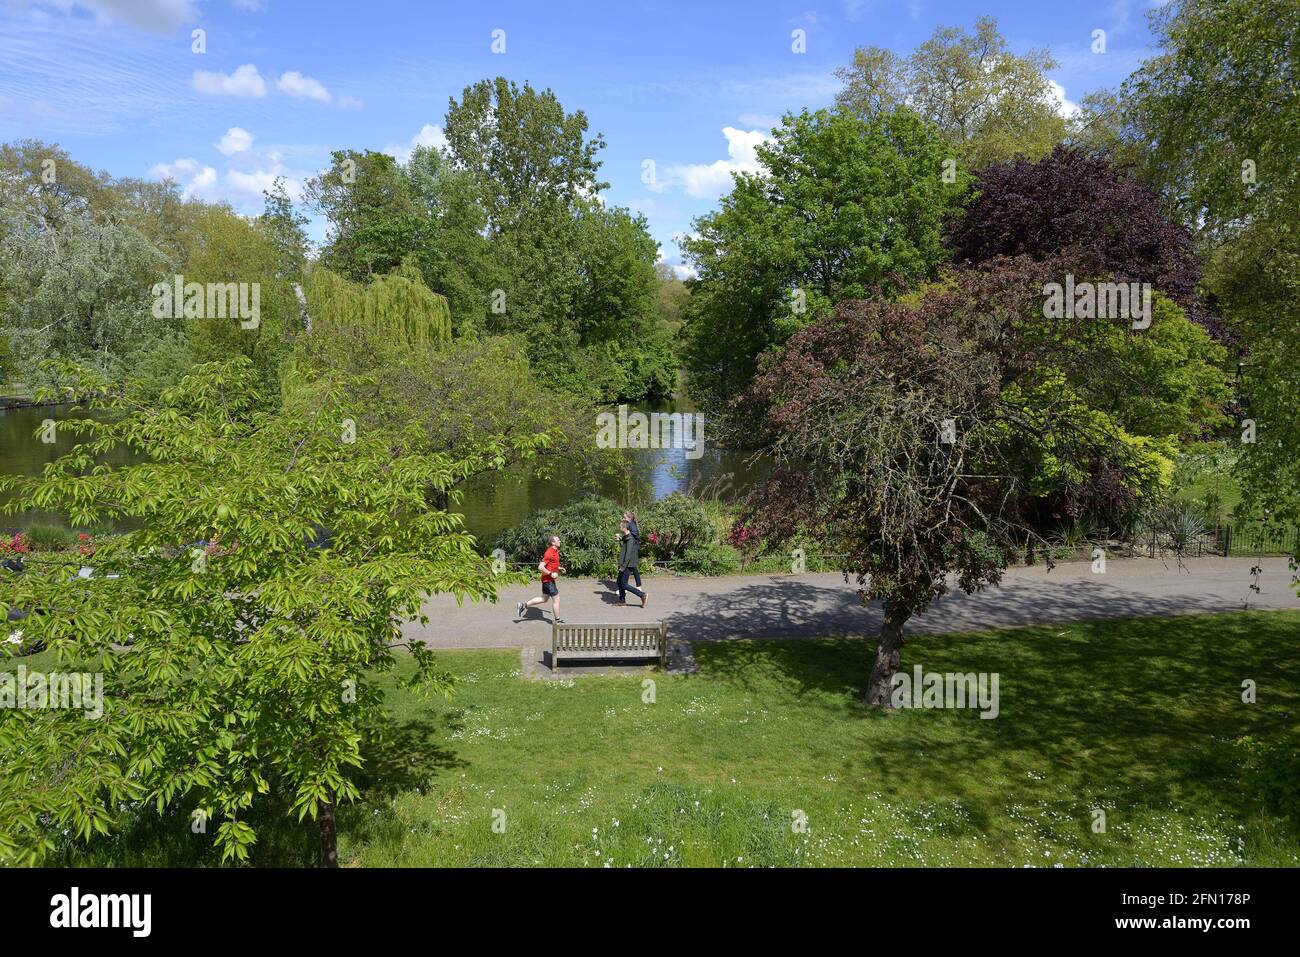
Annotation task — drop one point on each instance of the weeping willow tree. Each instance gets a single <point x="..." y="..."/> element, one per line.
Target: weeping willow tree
<point x="399" y="304"/>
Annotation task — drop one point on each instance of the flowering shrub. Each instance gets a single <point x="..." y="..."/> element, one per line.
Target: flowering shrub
<point x="743" y="536"/>
<point x="17" y="545"/>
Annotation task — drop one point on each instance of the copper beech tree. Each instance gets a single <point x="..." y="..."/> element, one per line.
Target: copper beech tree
<point x="917" y="439"/>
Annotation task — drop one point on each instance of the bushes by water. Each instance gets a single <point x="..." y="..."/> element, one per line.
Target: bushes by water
<point x="692" y="535"/>
<point x="675" y="526"/>
<point x="678" y="528"/>
<point x="585" y="526"/>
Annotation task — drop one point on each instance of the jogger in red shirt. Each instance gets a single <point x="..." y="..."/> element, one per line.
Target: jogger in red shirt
<point x="551" y="570"/>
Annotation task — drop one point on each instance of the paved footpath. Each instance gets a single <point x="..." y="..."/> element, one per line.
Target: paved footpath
<point x="813" y="605"/>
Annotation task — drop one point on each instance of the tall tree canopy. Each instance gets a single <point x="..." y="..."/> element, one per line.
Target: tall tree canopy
<point x="1220" y="106"/>
<point x="988" y="102"/>
<point x="528" y="157"/>
<point x="1080" y="208"/>
<point x="372" y="211"/>
<point x="505" y="222"/>
<point x="841" y="208"/>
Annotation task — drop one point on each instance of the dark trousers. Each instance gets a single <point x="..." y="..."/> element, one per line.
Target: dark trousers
<point x="624" y="587"/>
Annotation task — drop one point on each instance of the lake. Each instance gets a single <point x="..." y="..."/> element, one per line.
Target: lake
<point x="491" y="503"/>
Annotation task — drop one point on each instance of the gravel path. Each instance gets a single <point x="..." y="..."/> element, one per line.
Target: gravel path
<point x="812" y="605"/>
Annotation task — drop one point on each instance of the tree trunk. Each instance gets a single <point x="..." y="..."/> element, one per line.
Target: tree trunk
<point x="329" y="851"/>
<point x="888" y="652"/>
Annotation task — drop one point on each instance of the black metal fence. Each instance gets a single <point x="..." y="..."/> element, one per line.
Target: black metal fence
<point x="1238" y="538"/>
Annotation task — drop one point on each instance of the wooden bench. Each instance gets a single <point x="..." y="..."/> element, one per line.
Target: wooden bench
<point x="607" y="642"/>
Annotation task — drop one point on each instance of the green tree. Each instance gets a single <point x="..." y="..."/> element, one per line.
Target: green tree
<point x="989" y="103"/>
<point x="842" y="208"/>
<point x="399" y="306"/>
<point x="284" y="226"/>
<point x="671" y="296"/>
<point x="1219" y="107"/>
<point x="374" y="217"/>
<point x="234" y="249"/>
<point x="614" y="305"/>
<point x="455" y="252"/>
<point x="1256" y="277"/>
<point x="240" y="669"/>
<point x="1219" y="117"/>
<point x="529" y="159"/>
<point x="473" y="399"/>
<point x="81" y="288"/>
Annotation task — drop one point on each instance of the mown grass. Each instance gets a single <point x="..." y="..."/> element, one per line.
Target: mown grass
<point x="1138" y="718"/>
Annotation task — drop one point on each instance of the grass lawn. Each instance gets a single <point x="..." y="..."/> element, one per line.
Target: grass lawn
<point x="1220" y="483"/>
<point x="1137" y="718"/>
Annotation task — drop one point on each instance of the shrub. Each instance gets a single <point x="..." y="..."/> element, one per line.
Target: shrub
<point x="674" y="525"/>
<point x="51" y="538"/>
<point x="715" y="559"/>
<point x="587" y="527"/>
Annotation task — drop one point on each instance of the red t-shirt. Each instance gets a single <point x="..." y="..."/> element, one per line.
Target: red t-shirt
<point x="552" y="562"/>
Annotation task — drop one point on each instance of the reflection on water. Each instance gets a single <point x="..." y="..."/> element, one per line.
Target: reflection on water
<point x="23" y="453"/>
<point x="490" y="503"/>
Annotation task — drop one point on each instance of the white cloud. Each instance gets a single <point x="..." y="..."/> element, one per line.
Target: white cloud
<point x="245" y="81"/>
<point x="236" y="140"/>
<point x="1056" y="97"/>
<point x="248" y="4"/>
<point x="295" y="84"/>
<point x="155" y="16"/>
<point x="429" y="135"/>
<point x="189" y="174"/>
<point x="350" y="103"/>
<point x="242" y="188"/>
<point x="246" y="188"/>
<point x="714" y="179"/>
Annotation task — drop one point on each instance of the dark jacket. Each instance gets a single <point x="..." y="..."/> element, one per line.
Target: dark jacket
<point x="629" y="552"/>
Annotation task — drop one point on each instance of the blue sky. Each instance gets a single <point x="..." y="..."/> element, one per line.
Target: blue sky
<point x="692" y="86"/>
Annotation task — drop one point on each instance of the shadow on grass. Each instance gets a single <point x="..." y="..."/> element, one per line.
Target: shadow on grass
<point x="400" y="757"/>
<point x="1123" y="712"/>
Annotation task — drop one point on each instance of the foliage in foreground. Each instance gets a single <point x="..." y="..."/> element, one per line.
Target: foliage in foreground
<point x="237" y="657"/>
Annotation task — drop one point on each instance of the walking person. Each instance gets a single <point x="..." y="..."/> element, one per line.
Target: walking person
<point x="630" y="518"/>
<point x="551" y="570"/>
<point x="629" y="553"/>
